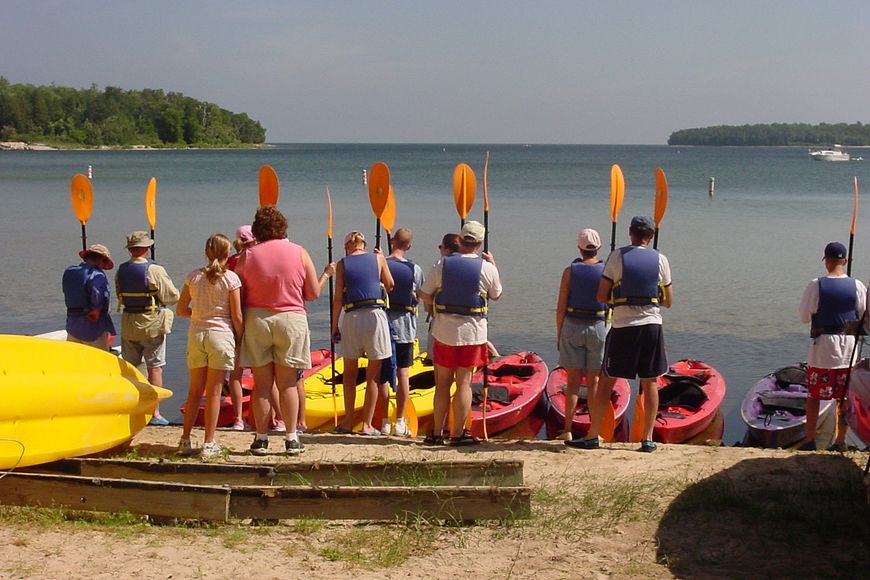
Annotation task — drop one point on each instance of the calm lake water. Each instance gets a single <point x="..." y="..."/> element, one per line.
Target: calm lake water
<point x="740" y="260"/>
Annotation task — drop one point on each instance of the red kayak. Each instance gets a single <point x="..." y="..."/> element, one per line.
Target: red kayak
<point x="690" y="395"/>
<point x="320" y="359"/>
<point x="619" y="398"/>
<point x="516" y="383"/>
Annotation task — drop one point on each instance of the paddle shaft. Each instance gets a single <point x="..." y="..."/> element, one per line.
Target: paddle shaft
<point x="656" y="240"/>
<point x="613" y="237"/>
<point x="152" y="245"/>
<point x="849" y="262"/>
<point x="84" y="237"/>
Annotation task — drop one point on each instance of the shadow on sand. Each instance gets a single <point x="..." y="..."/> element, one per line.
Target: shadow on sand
<point x="804" y="516"/>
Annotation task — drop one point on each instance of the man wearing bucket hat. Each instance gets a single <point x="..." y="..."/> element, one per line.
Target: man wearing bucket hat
<point x="87" y="294"/>
<point x="458" y="288"/>
<point x="581" y="324"/>
<point x="832" y="305"/>
<point x="145" y="290"/>
<point x="639" y="278"/>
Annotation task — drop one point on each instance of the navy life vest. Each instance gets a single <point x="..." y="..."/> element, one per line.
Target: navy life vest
<point x="640" y="278"/>
<point x="837" y="303"/>
<point x="133" y="290"/>
<point x="582" y="288"/>
<point x="402" y="296"/>
<point x="460" y="287"/>
<point x="362" y="282"/>
<point x="75" y="288"/>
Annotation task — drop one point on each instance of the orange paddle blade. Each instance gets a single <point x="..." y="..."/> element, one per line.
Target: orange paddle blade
<point x="151" y="202"/>
<point x="464" y="188"/>
<point x="269" y="187"/>
<point x="617" y="191"/>
<point x="379" y="188"/>
<point x="388" y="218"/>
<point x="637" y="420"/>
<point x="854" y="209"/>
<point x="661" y="203"/>
<point x="82" y="197"/>
<point x="411" y="418"/>
<point x="485" y="190"/>
<point x="328" y="214"/>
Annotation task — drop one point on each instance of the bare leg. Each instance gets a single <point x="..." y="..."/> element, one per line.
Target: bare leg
<point x="300" y="390"/>
<point x="403" y="390"/>
<point x="288" y="395"/>
<point x="373" y="377"/>
<point x="602" y="397"/>
<point x="275" y="399"/>
<point x="236" y="393"/>
<point x="213" y="384"/>
<point x="572" y="394"/>
<point x="651" y="406"/>
<point x="462" y="400"/>
<point x="351" y="368"/>
<point x="155" y="377"/>
<point x="194" y="393"/>
<point x="842" y="426"/>
<point x="812" y="419"/>
<point x="441" y="404"/>
<point x="264" y="378"/>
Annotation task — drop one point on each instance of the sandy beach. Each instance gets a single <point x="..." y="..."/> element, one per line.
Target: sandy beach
<point x="684" y="511"/>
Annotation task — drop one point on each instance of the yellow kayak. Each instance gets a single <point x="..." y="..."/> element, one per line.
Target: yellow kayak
<point x="63" y="400"/>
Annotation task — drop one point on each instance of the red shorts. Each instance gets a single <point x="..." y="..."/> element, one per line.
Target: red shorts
<point x="452" y="357"/>
<point x="826" y="384"/>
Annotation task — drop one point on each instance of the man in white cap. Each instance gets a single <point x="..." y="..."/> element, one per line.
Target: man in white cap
<point x="581" y="324"/>
<point x="87" y="294"/>
<point x="639" y="278"/>
<point x="459" y="287"/>
<point x="145" y="290"/>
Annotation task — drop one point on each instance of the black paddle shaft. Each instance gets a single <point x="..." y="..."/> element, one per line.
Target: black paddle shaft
<point x="84" y="238"/>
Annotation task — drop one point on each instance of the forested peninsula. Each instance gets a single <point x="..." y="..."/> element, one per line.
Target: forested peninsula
<point x="775" y="134"/>
<point x="67" y="118"/>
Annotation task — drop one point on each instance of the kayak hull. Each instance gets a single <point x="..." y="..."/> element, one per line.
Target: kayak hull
<point x="580" y="423"/>
<point x="676" y="423"/>
<point x="524" y="376"/>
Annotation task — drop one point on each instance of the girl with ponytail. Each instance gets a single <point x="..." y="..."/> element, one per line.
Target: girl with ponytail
<point x="211" y="298"/>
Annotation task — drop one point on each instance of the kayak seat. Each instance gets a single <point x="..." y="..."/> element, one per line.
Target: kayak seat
<point x="339" y="378"/>
<point x="505" y="370"/>
<point x="699" y="379"/>
<point x="790" y="375"/>
<point x="424" y="380"/>
<point x="682" y="393"/>
<point x="495" y="394"/>
<point x="770" y="404"/>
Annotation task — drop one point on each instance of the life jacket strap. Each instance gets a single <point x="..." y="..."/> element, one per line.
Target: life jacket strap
<point x="373" y="303"/>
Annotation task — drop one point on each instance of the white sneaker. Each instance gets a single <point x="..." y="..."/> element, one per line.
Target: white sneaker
<point x="401" y="430"/>
<point x="239" y="425"/>
<point x="185" y="447"/>
<point x="385" y="428"/>
<point x="565" y="436"/>
<point x="280" y="427"/>
<point x="211" y="450"/>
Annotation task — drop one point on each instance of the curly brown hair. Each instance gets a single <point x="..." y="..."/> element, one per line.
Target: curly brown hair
<point x="269" y="224"/>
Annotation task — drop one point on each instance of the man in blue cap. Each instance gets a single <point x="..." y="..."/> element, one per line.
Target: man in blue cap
<point x="637" y="282"/>
<point x="832" y="305"/>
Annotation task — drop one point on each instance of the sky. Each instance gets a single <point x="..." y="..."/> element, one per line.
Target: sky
<point x="445" y="71"/>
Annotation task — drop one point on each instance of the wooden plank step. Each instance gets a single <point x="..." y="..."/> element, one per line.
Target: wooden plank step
<point x="368" y="473"/>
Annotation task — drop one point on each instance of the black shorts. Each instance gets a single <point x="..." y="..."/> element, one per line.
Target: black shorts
<point x="404" y="355"/>
<point x="635" y="351"/>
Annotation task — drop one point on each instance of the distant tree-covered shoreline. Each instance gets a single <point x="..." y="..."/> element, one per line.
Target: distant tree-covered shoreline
<point x="91" y="117"/>
<point x="775" y="134"/>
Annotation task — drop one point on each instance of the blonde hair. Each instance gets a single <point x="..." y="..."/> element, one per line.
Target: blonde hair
<point x="353" y="240"/>
<point x="402" y="238"/>
<point x="217" y="250"/>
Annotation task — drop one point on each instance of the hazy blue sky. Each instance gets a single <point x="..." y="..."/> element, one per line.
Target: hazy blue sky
<point x="462" y="71"/>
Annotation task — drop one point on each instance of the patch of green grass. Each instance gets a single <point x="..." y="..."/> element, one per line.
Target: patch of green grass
<point x="374" y="547"/>
<point x="307" y="526"/>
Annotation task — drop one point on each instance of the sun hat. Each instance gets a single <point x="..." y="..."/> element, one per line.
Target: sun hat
<point x="245" y="234"/>
<point x="100" y="250"/>
<point x="588" y="239"/>
<point x="139" y="239"/>
<point x="472" y="232"/>
<point x="835" y="250"/>
<point x="643" y="222"/>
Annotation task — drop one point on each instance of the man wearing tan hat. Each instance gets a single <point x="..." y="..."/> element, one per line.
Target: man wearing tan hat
<point x="459" y="287"/>
<point x="87" y="294"/>
<point x="145" y="290"/>
<point x="581" y="324"/>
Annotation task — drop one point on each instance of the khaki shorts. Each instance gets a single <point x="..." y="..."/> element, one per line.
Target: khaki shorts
<point x="101" y="343"/>
<point x="365" y="332"/>
<point x="153" y="350"/>
<point x="276" y="337"/>
<point x="215" y="349"/>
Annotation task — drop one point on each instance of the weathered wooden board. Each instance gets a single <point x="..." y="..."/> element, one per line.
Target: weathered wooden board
<point x="371" y="473"/>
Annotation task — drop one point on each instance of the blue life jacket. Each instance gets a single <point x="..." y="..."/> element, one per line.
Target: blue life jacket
<point x="582" y="288"/>
<point x="460" y="287"/>
<point x="837" y="303"/>
<point x="640" y="278"/>
<point x="75" y="288"/>
<point x="402" y="296"/>
<point x="362" y="282"/>
<point x="133" y="289"/>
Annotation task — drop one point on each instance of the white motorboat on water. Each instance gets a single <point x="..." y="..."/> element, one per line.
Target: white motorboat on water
<point x="835" y="154"/>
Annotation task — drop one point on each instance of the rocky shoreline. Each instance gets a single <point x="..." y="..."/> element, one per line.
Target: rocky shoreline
<point x="23" y="146"/>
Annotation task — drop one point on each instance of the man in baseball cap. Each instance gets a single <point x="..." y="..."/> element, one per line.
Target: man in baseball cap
<point x="87" y="294"/>
<point x="581" y="324"/>
<point x="833" y="305"/>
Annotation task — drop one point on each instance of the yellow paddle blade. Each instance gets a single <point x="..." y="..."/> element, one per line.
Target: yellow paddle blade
<point x="617" y="191"/>
<point x="661" y="203"/>
<point x="379" y="188"/>
<point x="464" y="188"/>
<point x="485" y="190"/>
<point x="388" y="218"/>
<point x="854" y="209"/>
<point x="328" y="214"/>
<point x="151" y="202"/>
<point x="269" y="188"/>
<point x="637" y="420"/>
<point x="82" y="197"/>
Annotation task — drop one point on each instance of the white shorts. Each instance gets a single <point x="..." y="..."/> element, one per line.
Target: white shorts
<point x="215" y="349"/>
<point x="365" y="332"/>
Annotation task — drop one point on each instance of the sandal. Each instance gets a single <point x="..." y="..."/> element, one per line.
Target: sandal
<point x="648" y="446"/>
<point x="433" y="439"/>
<point x="465" y="439"/>
<point x="341" y="431"/>
<point x="372" y="433"/>
<point x="591" y="443"/>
